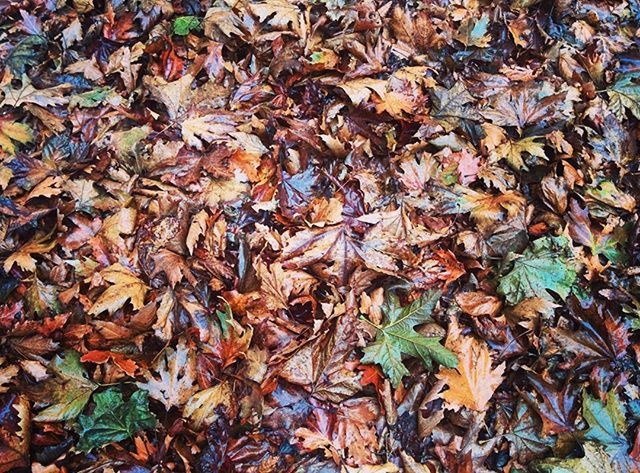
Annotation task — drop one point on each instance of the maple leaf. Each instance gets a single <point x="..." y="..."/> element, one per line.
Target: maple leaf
<point x="473" y="32"/>
<point x="522" y="106"/>
<point x="624" y="94"/>
<point x="558" y="407"/>
<point x="397" y="337"/>
<point x="478" y="303"/>
<point x="113" y="419"/>
<point x="335" y="244"/>
<point x="15" y="438"/>
<point x="485" y="209"/>
<point x="11" y="132"/>
<point x="280" y="13"/>
<point x="473" y="382"/>
<point x="523" y="433"/>
<point x="39" y="244"/>
<point x="125" y="287"/>
<point x="196" y="229"/>
<point x="71" y="389"/>
<point x="544" y="266"/>
<point x="102" y="356"/>
<point x="279" y="284"/>
<point x="347" y="433"/>
<point x="196" y="130"/>
<point x="513" y="150"/>
<point x="176" y="382"/>
<point x="176" y="96"/>
<point x="451" y="102"/>
<point x="173" y="266"/>
<point x="202" y="408"/>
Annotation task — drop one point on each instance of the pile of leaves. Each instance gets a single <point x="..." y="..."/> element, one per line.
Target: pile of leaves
<point x="323" y="236"/>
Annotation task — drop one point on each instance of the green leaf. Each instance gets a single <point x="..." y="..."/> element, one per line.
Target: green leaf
<point x="595" y="459"/>
<point x="452" y="102"/>
<point x="607" y="423"/>
<point x="545" y="266"/>
<point x="113" y="419"/>
<point x="70" y="389"/>
<point x="184" y="25"/>
<point x="42" y="298"/>
<point x="524" y="435"/>
<point x="397" y="337"/>
<point x="26" y="53"/>
<point x="91" y="98"/>
<point x="624" y="94"/>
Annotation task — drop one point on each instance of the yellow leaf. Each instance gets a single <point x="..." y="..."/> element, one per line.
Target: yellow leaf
<point x="11" y="132"/>
<point x="512" y="151"/>
<point x="220" y="191"/>
<point x="23" y="258"/>
<point x="126" y="286"/>
<point x="281" y="13"/>
<point x="473" y="382"/>
<point x="196" y="229"/>
<point x="201" y="408"/>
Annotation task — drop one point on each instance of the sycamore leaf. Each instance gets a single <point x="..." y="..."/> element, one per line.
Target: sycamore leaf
<point x="280" y="14"/>
<point x="113" y="419"/>
<point x="23" y="257"/>
<point x="11" y="133"/>
<point x="176" y="96"/>
<point x="202" y="407"/>
<point x="359" y="90"/>
<point x="523" y="106"/>
<point x="397" y="337"/>
<point x="26" y="54"/>
<point x="176" y="382"/>
<point x="624" y="94"/>
<point x="279" y="284"/>
<point x="473" y="382"/>
<point x="513" y="150"/>
<point x="607" y="425"/>
<point x="473" y="32"/>
<point x="125" y="287"/>
<point x="545" y="266"/>
<point x="42" y="298"/>
<point x="199" y="130"/>
<point x="452" y="102"/>
<point x="70" y="389"/>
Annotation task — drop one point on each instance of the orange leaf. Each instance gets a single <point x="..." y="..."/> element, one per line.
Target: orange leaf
<point x="478" y="303"/>
<point x="100" y="357"/>
<point x="473" y="382"/>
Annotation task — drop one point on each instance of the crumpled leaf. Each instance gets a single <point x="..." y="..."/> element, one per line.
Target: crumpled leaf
<point x="113" y="419"/>
<point x="125" y="287"/>
<point x="545" y="266"/>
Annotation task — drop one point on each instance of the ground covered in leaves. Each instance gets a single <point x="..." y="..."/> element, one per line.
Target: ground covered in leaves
<point x="325" y="236"/>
